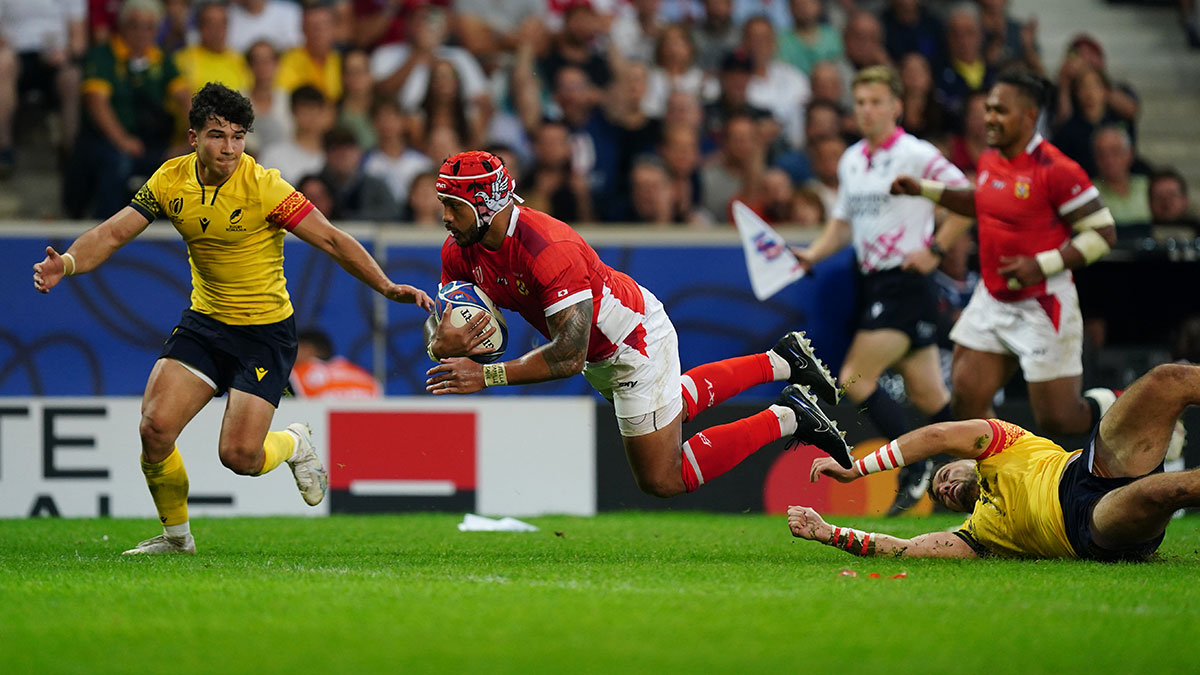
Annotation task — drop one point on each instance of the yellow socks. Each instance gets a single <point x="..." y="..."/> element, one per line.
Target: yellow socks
<point x="168" y="484"/>
<point x="277" y="448"/>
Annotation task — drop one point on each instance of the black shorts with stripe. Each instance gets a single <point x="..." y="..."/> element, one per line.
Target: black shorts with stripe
<point x="255" y="359"/>
<point x="899" y="300"/>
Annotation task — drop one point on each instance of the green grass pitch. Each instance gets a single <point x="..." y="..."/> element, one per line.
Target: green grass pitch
<point x="631" y="592"/>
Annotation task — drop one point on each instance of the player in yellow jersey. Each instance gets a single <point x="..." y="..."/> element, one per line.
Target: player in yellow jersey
<point x="1030" y="498"/>
<point x="239" y="334"/>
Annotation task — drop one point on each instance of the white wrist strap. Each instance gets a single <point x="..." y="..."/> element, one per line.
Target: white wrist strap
<point x="1051" y="262"/>
<point x="68" y="264"/>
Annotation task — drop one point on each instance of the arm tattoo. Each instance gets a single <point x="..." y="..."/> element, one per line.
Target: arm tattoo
<point x="570" y="330"/>
<point x="981" y="442"/>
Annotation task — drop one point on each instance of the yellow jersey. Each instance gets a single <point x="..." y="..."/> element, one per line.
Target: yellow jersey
<point x="1018" y="512"/>
<point x="234" y="235"/>
<point x="200" y="66"/>
<point x="297" y="68"/>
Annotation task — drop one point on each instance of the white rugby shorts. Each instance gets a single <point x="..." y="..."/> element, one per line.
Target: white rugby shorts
<point x="1025" y="330"/>
<point x="645" y="389"/>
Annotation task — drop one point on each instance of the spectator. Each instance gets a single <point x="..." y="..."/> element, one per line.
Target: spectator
<point x="445" y="104"/>
<point x="967" y="146"/>
<point x="577" y="44"/>
<point x="674" y="70"/>
<point x="1169" y="201"/>
<point x="910" y="27"/>
<point x="775" y="85"/>
<point x="272" y="113"/>
<point x="776" y="201"/>
<point x="40" y="44"/>
<point x="640" y="133"/>
<point x="319" y="374"/>
<point x="810" y="39"/>
<point x="554" y="185"/>
<point x="303" y="153"/>
<point x="684" y="109"/>
<point x="356" y="194"/>
<point x="211" y="59"/>
<point x="1090" y="111"/>
<point x="1007" y="42"/>
<point x="392" y="160"/>
<point x="680" y="151"/>
<point x="275" y="21"/>
<point x="424" y="208"/>
<point x="443" y="142"/>
<point x="314" y="63"/>
<point x="924" y="114"/>
<point x="862" y="39"/>
<point x="826" y="81"/>
<point x="127" y="124"/>
<point x="596" y="146"/>
<point x="808" y="209"/>
<point x="1126" y="195"/>
<point x="1084" y="54"/>
<point x="965" y="71"/>
<point x="650" y="192"/>
<point x="737" y="168"/>
<point x="354" y="110"/>
<point x="822" y="119"/>
<point x="173" y="30"/>
<point x="318" y="192"/>
<point x="736" y="70"/>
<point x="489" y="28"/>
<point x="716" y="35"/>
<point x="636" y="30"/>
<point x="774" y="11"/>
<point x="825" y="151"/>
<point x="385" y="23"/>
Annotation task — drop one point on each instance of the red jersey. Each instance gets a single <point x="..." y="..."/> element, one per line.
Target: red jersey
<point x="544" y="266"/>
<point x="1019" y="204"/>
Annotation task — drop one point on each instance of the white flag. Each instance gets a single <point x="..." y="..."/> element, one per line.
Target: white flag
<point x="770" y="264"/>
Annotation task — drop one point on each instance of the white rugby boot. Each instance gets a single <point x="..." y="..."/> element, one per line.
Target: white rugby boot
<point x="164" y="543"/>
<point x="306" y="466"/>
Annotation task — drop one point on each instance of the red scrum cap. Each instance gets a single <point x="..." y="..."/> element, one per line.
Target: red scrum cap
<point x="480" y="179"/>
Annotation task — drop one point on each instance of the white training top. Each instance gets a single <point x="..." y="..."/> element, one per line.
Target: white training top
<point x="887" y="227"/>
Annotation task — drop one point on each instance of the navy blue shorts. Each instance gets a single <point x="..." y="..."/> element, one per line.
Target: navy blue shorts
<point x="1078" y="491"/>
<point x="899" y="300"/>
<point x="255" y="359"/>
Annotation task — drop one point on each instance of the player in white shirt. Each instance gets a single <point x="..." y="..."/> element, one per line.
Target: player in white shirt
<point x="896" y="249"/>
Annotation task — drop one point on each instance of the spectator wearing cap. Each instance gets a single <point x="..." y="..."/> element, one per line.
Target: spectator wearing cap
<point x="715" y="35"/>
<point x="1083" y="54"/>
<point x="1125" y="194"/>
<point x="356" y="194"/>
<point x="304" y="152"/>
<point x="1090" y="111"/>
<point x="315" y="63"/>
<point x="810" y="39"/>
<point x="911" y="27"/>
<point x="734" y="78"/>
<point x="774" y="85"/>
<point x="392" y="160"/>
<point x="276" y="21"/>
<point x="965" y="71"/>
<point x="211" y="59"/>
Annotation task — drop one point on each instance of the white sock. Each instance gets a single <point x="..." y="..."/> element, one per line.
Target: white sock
<point x="787" y="420"/>
<point x="779" y="366"/>
<point x="177" y="531"/>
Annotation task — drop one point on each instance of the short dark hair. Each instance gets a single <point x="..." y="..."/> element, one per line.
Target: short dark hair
<point x="319" y="340"/>
<point x="307" y="95"/>
<point x="1031" y="85"/>
<point x="215" y="101"/>
<point x="1169" y="173"/>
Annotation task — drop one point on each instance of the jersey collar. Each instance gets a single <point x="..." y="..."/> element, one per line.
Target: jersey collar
<point x="886" y="145"/>
<point x="203" y="187"/>
<point x="1033" y="143"/>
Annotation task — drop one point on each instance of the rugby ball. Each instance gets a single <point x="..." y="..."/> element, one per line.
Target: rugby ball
<point x="465" y="299"/>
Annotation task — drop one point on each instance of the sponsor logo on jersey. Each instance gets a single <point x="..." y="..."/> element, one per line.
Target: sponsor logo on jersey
<point x="203" y="224"/>
<point x="1021" y="188"/>
<point x="521" y="288"/>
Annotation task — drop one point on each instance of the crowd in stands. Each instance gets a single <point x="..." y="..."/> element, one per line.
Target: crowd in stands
<point x="647" y="111"/>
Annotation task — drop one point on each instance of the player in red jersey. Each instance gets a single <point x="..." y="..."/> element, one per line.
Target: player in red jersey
<point x="602" y="323"/>
<point x="1028" y="200"/>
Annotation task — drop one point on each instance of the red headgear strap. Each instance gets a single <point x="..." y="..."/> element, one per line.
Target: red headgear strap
<point x="480" y="179"/>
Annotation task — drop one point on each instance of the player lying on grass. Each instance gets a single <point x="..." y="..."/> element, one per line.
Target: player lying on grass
<point x="601" y="323"/>
<point x="1028" y="497"/>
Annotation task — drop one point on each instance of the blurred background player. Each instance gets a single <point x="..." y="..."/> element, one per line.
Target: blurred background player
<point x="1027" y="496"/>
<point x="320" y="374"/>
<point x="894" y="243"/>
<point x="601" y="323"/>
<point x="1028" y="199"/>
<point x="239" y="334"/>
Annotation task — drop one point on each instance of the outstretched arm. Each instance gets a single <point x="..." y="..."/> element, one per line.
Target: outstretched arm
<point x="316" y="230"/>
<point x="959" y="200"/>
<point x="832" y="239"/>
<point x="90" y="250"/>
<point x="967" y="439"/>
<point x="806" y="523"/>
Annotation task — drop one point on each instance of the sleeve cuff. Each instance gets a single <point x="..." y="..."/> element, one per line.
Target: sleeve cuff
<point x="146" y="213"/>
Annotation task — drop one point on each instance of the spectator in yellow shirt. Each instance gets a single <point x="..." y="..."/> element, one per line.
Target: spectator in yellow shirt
<point x="315" y="62"/>
<point x="211" y="59"/>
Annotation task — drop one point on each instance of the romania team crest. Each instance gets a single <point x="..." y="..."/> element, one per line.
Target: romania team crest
<point x="1021" y="188"/>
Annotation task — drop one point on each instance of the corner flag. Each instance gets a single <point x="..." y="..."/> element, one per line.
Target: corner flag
<point x="769" y="262"/>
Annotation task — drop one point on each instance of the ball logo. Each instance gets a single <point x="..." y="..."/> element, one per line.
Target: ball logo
<point x="235" y="217"/>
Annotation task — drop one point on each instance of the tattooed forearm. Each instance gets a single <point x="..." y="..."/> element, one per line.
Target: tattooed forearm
<point x="570" y="330"/>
